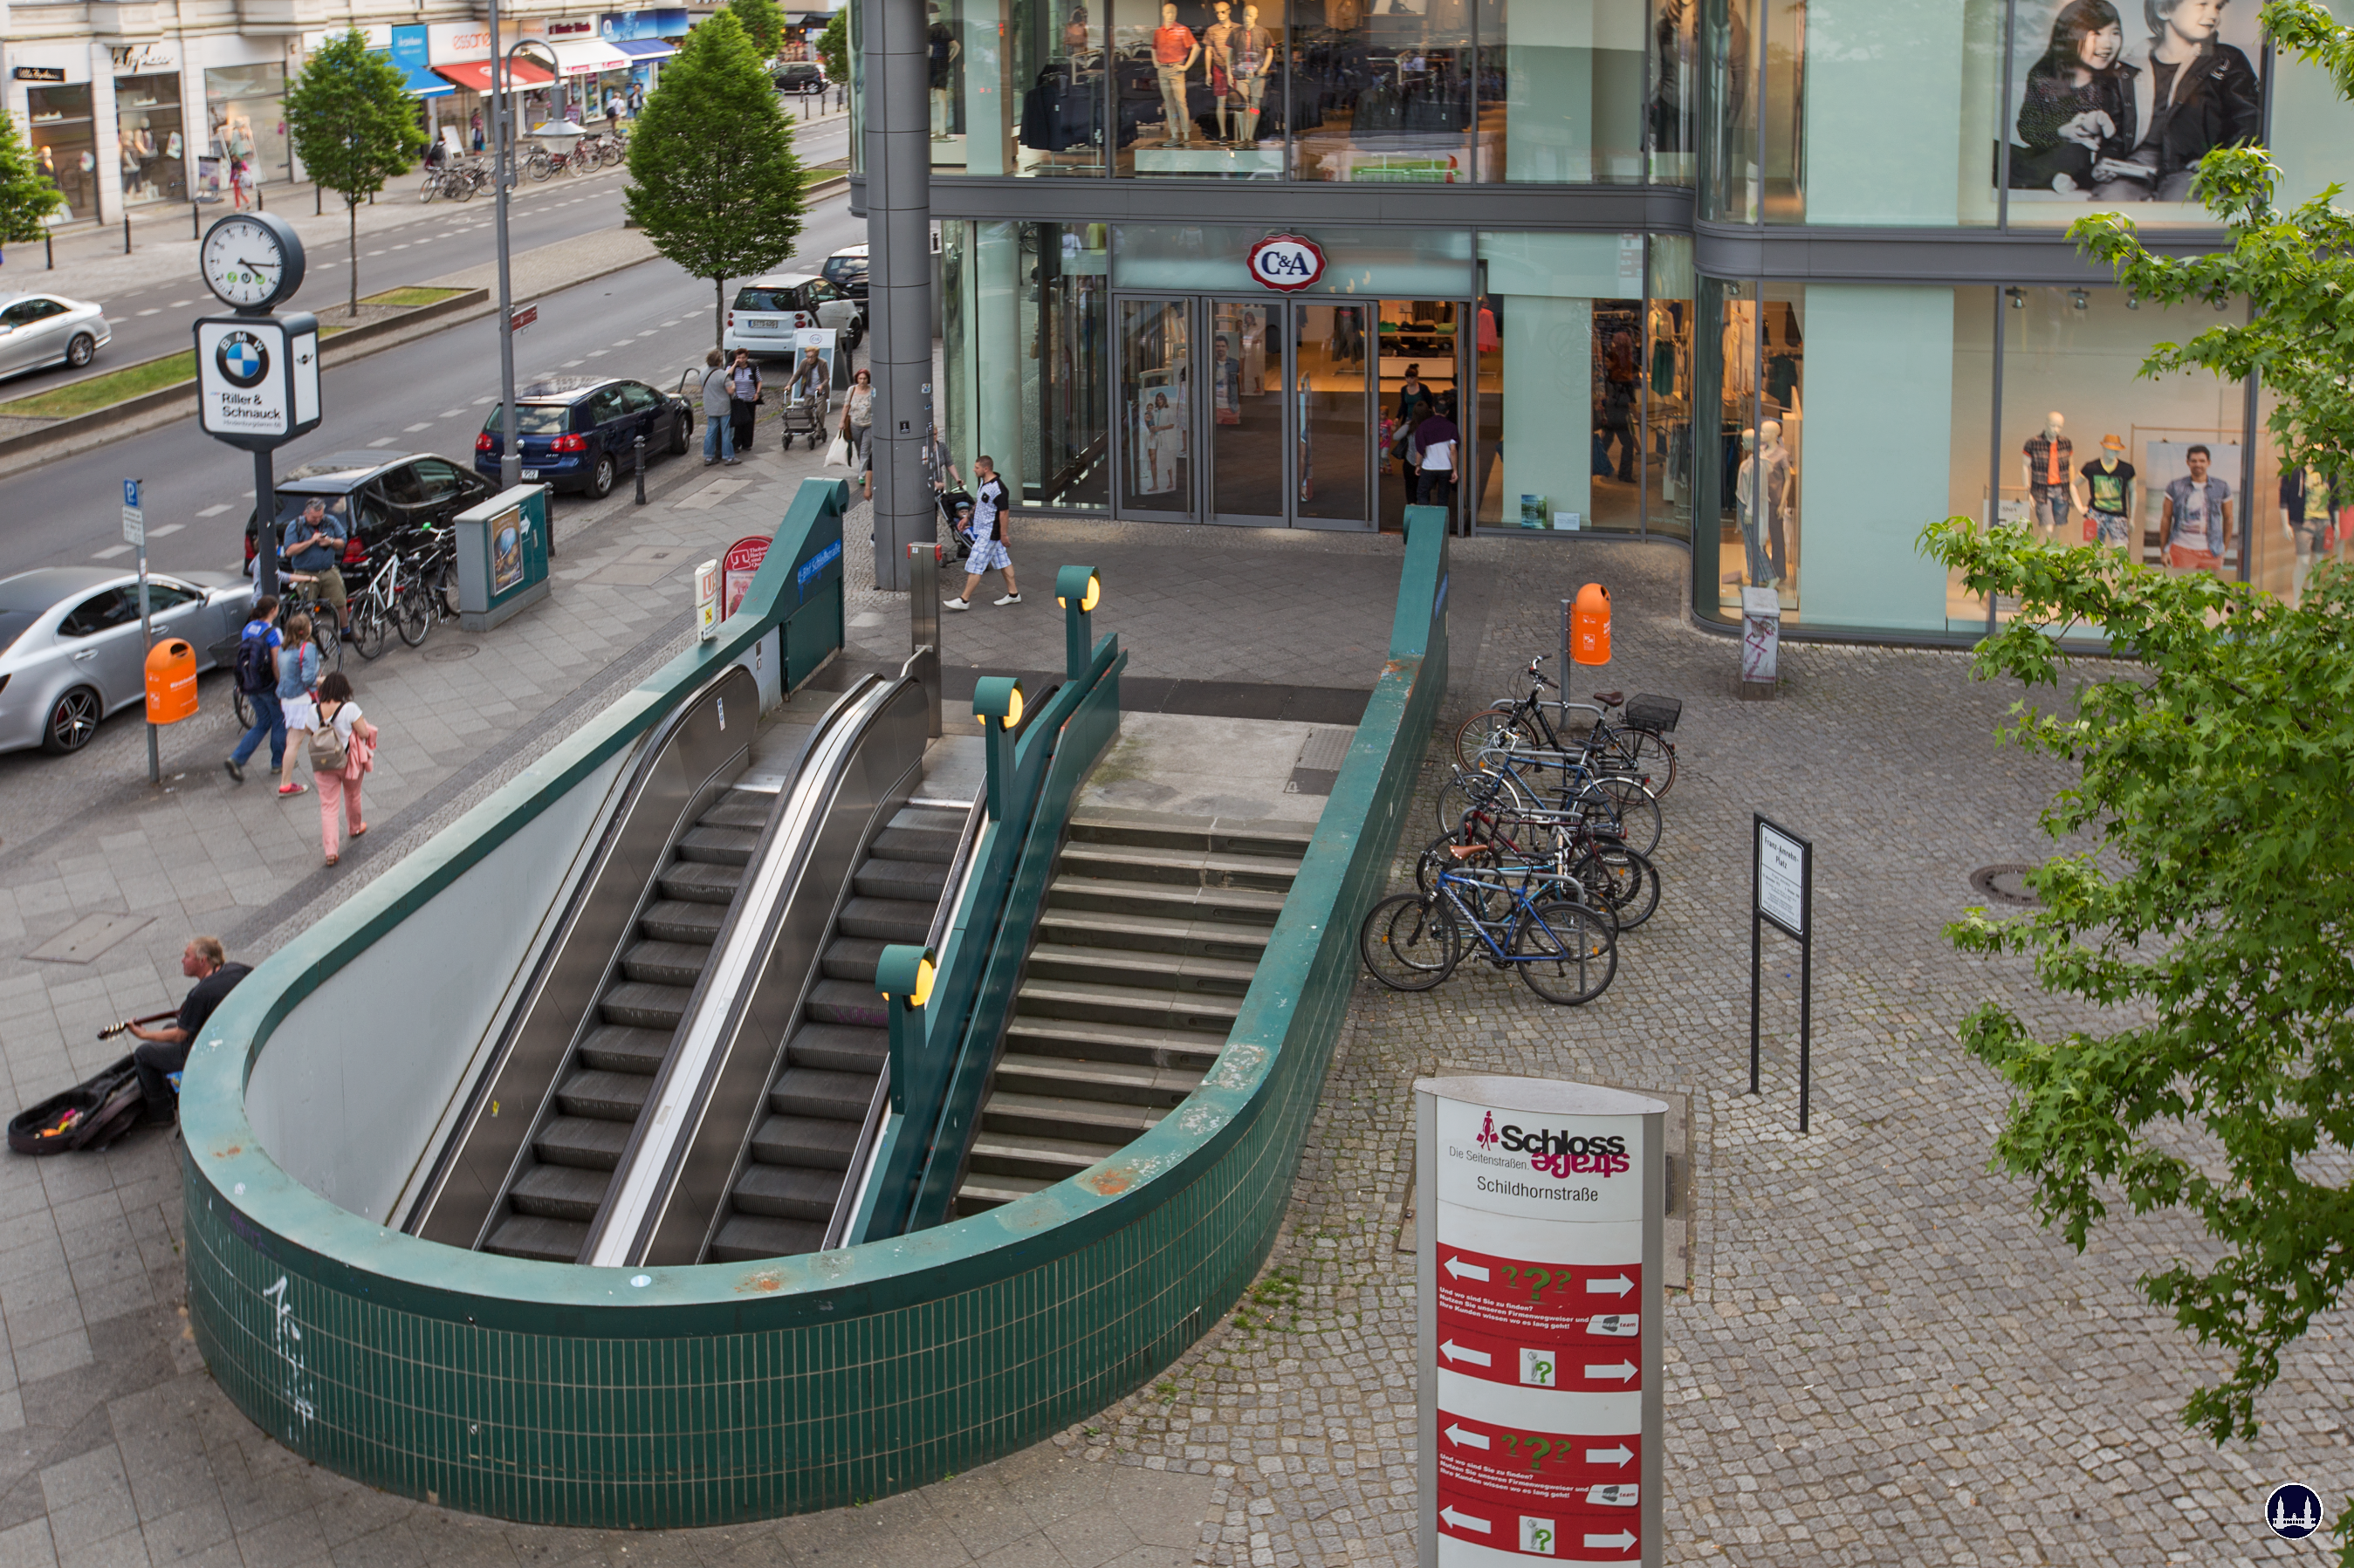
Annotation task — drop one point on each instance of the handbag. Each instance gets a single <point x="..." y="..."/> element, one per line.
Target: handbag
<point x="837" y="453"/>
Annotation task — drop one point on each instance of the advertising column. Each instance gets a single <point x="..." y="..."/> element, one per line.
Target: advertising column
<point x="1539" y="1254"/>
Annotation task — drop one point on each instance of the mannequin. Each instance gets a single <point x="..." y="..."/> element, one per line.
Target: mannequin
<point x="941" y="51"/>
<point x="2107" y="498"/>
<point x="2307" y="518"/>
<point x="2043" y="466"/>
<point x="1250" y="51"/>
<point x="1174" y="50"/>
<point x="1215" y="43"/>
<point x="1764" y="478"/>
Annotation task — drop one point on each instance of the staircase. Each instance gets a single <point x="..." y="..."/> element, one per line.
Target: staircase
<point x="1151" y="931"/>
<point x="602" y="1091"/>
<point x="801" y="1152"/>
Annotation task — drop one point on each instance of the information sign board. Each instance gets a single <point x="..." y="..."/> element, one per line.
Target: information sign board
<point x="1540" y="1243"/>
<point x="257" y="378"/>
<point x="1782" y="878"/>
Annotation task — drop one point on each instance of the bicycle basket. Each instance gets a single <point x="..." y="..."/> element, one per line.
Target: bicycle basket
<point x="1658" y="715"/>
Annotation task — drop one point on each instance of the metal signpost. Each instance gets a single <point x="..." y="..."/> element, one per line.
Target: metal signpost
<point x="1782" y="889"/>
<point x="1539" y="1243"/>
<point x="134" y="532"/>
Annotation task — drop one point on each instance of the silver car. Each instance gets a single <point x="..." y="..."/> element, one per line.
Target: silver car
<point x="69" y="647"/>
<point x="40" y="330"/>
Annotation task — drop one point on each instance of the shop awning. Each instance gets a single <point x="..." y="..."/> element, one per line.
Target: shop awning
<point x="641" y="49"/>
<point x="588" y="56"/>
<point x="474" y="76"/>
<point x="422" y="82"/>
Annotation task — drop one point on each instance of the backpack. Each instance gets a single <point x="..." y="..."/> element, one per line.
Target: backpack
<point x="327" y="752"/>
<point x="92" y="1115"/>
<point x="255" y="675"/>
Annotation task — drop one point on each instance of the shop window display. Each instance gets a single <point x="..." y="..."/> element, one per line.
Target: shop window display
<point x="245" y="110"/>
<point x="1058" y="86"/>
<point x="1667" y="371"/>
<point x="149" y="140"/>
<point x="2297" y="520"/>
<point x="1025" y="357"/>
<point x="1674" y="97"/>
<point x="61" y="134"/>
<point x="1202" y="88"/>
<point x="1561" y="92"/>
<point x="1729" y="183"/>
<point x="1383" y="90"/>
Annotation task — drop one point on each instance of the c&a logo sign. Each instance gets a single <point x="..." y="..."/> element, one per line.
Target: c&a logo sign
<point x="1286" y="262"/>
<point x="1566" y="1154"/>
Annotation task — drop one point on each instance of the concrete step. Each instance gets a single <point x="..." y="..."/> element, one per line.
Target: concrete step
<point x="845" y="1001"/>
<point x="641" y="1005"/>
<point x="1139" y="967"/>
<point x="887" y="920"/>
<point x="618" y="1048"/>
<point x="560" y="1192"/>
<point x="1198" y="868"/>
<point x="787" y="1192"/>
<point x="717" y="845"/>
<point x="1184" y="1050"/>
<point x="1097" y="1003"/>
<point x="681" y="920"/>
<point x="1108" y="1123"/>
<point x="985" y="1190"/>
<point x="581" y="1142"/>
<point x="604" y="1097"/>
<point x="806" y="1141"/>
<point x="539" y="1238"/>
<point x="826" y="1097"/>
<point x="854" y="958"/>
<point x="1044" y="1159"/>
<point x="1076" y="892"/>
<point x="747" y="1238"/>
<point x="1241" y="944"/>
<point x="1069" y="1077"/>
<point x="666" y="963"/>
<point x="914" y="881"/>
<point x="695" y="882"/>
<point x="1285" y="841"/>
<point x="839" y="1048"/>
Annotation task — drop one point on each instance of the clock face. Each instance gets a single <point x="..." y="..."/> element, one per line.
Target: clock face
<point x="244" y="263"/>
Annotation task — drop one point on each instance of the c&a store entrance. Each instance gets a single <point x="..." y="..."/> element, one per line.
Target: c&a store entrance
<point x="1274" y="412"/>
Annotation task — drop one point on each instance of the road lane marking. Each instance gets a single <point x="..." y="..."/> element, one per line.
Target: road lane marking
<point x="597" y="353"/>
<point x="381" y="441"/>
<point x="166" y="528"/>
<point x="176" y="304"/>
<point x="479" y="401"/>
<point x="420" y="424"/>
<point x="569" y="363"/>
<point x="110" y="552"/>
<point x="214" y="511"/>
<point x="448" y="413"/>
<point x="153" y="311"/>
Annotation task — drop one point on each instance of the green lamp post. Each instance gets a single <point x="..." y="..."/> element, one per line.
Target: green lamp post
<point x="1077" y="590"/>
<point x="904" y="976"/>
<point x="997" y="704"/>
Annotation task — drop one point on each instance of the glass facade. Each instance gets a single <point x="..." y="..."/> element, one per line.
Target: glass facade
<point x="245" y="112"/>
<point x="61" y="136"/>
<point x="1799" y="416"/>
<point x="149" y="138"/>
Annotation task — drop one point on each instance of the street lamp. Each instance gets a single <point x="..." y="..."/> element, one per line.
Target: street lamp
<point x="502" y="175"/>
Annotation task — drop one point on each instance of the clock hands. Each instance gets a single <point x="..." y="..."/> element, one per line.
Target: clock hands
<point x="258" y="266"/>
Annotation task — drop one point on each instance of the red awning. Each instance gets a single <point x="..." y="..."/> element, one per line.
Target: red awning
<point x="474" y="76"/>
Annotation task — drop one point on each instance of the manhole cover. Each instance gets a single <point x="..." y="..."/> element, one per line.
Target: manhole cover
<point x="2004" y="884"/>
<point x="450" y="652"/>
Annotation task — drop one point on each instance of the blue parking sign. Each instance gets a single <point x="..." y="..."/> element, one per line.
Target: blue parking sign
<point x="131" y="493"/>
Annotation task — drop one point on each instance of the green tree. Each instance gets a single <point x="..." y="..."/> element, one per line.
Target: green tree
<point x="355" y="127"/>
<point x="2296" y="269"/>
<point x="712" y="179"/>
<point x="26" y="194"/>
<point x="2211" y="918"/>
<point x="764" y="23"/>
<point x="833" y="46"/>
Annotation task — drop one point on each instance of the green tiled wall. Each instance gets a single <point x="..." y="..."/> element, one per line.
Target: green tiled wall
<point x="702" y="1395"/>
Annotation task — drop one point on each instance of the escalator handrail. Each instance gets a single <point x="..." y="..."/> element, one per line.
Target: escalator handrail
<point x="650" y="755"/>
<point x="664" y="1132"/>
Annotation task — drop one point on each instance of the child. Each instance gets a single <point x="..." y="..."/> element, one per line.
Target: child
<point x="2077" y="115"/>
<point x="987" y="532"/>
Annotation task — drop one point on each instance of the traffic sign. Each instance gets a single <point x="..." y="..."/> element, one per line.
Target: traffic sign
<point x="134" y="525"/>
<point x="524" y="316"/>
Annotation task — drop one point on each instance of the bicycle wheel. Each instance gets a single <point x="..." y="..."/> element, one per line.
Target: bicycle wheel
<point x="413" y="617"/>
<point x="1621" y="807"/>
<point x="326" y="635"/>
<point x="431" y="188"/>
<point x="368" y="628"/>
<point x="1461" y="794"/>
<point x="1408" y="942"/>
<point x="1565" y="954"/>
<point x="1622" y="878"/>
<point x="242" y="706"/>
<point x="1492" y="726"/>
<point x="1652" y="758"/>
<point x="463" y="187"/>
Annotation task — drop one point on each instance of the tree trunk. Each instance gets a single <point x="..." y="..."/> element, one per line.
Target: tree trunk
<point x="352" y="212"/>
<point x="719" y="314"/>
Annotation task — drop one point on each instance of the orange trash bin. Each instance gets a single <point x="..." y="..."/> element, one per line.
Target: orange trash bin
<point x="1589" y="626"/>
<point x="171" y="682"/>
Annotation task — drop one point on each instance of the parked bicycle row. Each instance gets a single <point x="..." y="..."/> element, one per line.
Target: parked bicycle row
<point x="409" y="586"/>
<point x="1543" y="858"/>
<point x="458" y="178"/>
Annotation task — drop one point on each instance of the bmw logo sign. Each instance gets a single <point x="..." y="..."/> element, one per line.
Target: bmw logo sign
<point x="243" y="358"/>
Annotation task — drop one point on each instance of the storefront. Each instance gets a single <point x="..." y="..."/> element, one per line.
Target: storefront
<point x="647" y="37"/>
<point x="61" y="121"/>
<point x="151" y="138"/>
<point x="594" y="73"/>
<point x="244" y="120"/>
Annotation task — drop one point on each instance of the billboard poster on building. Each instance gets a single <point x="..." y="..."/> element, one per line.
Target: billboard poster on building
<point x="2117" y="101"/>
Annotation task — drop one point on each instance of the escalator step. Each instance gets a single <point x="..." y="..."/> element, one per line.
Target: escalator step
<point x="679" y="920"/>
<point x="577" y="1140"/>
<point x="618" y="1048"/>
<point x="934" y="844"/>
<point x="919" y="881"/>
<point x="845" y="1001"/>
<point x="718" y="846"/>
<point x="604" y="1097"/>
<point x="539" y="1238"/>
<point x="739" y="809"/>
<point x="666" y="963"/>
<point x="853" y="959"/>
<point x="645" y="1006"/>
<point x="805" y="1141"/>
<point x="827" y="1096"/>
<point x="839" y="1048"/>
<point x="747" y="1238"/>
<point x="699" y="884"/>
<point x="560" y="1192"/>
<point x="787" y="1192"/>
<point x="889" y="919"/>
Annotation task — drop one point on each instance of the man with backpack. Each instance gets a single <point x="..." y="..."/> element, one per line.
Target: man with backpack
<point x="164" y="1051"/>
<point x="256" y="677"/>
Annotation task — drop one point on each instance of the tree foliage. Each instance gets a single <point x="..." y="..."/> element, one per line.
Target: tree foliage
<point x="764" y="23"/>
<point x="354" y="125"/>
<point x="2297" y="269"/>
<point x="833" y="47"/>
<point x="2218" y="908"/>
<point x="26" y="194"/>
<point x="712" y="179"/>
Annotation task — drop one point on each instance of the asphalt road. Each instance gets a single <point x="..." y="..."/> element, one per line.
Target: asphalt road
<point x="651" y="321"/>
<point x="441" y="239"/>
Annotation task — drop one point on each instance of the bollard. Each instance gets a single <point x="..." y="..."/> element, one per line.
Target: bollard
<point x="126" y="234"/>
<point x="318" y="201"/>
<point x="258" y="204"/>
<point x="638" y="457"/>
<point x="49" y="241"/>
<point x="195" y="221"/>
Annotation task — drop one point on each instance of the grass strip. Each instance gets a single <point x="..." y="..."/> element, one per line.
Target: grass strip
<point x="410" y="298"/>
<point x="104" y="391"/>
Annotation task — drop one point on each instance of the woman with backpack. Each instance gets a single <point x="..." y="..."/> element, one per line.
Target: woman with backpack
<point x="298" y="690"/>
<point x="342" y="751"/>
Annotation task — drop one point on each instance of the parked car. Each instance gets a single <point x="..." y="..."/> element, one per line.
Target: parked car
<point x="577" y="431"/>
<point x="846" y="270"/>
<point x="37" y="331"/>
<point x="801" y="76"/>
<point x="374" y="493"/>
<point x="769" y="310"/>
<point x="70" y="651"/>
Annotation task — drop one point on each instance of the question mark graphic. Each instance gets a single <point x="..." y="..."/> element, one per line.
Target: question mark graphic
<point x="1542" y="1537"/>
<point x="1538" y="1279"/>
<point x="1538" y="1449"/>
<point x="1510" y="1273"/>
<point x="1544" y="1373"/>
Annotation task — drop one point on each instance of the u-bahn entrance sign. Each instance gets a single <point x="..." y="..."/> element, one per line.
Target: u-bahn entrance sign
<point x="1540" y="1260"/>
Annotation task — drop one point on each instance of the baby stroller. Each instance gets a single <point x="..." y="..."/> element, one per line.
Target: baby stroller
<point x="946" y="502"/>
<point x="804" y="416"/>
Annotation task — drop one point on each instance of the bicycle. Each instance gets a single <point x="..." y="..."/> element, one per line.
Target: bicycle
<point x="1564" y="951"/>
<point x="391" y="600"/>
<point x="1523" y="725"/>
<point x="1623" y="806"/>
<point x="1583" y="863"/>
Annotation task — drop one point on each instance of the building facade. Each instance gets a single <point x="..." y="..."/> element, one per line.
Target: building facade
<point x="1784" y="280"/>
